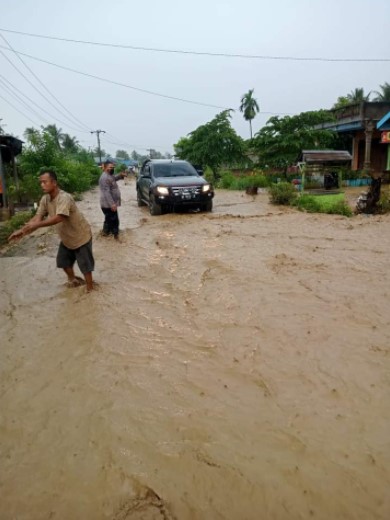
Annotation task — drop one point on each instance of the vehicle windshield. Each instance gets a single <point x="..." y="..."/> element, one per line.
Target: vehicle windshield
<point x="174" y="170"/>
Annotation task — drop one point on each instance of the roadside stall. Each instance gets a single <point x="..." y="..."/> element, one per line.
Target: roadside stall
<point x="322" y="169"/>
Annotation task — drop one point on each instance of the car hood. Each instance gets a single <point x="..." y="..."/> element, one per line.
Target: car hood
<point x="179" y="181"/>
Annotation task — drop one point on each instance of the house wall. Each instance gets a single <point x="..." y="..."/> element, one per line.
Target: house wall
<point x="378" y="152"/>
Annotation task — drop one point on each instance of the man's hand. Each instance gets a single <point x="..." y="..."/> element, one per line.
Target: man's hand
<point x="16" y="234"/>
<point x="114" y="207"/>
<point x="25" y="230"/>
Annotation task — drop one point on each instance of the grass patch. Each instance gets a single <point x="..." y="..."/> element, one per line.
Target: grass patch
<point x="14" y="223"/>
<point x="228" y="181"/>
<point x="331" y="204"/>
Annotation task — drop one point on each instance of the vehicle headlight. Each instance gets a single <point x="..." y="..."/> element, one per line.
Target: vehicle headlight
<point x="205" y="188"/>
<point x="162" y="190"/>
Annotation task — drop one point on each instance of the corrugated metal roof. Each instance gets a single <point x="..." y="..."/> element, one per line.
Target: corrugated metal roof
<point x="10" y="146"/>
<point x="384" y="123"/>
<point x="325" y="156"/>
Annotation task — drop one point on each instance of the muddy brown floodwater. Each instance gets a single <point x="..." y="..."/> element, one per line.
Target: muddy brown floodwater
<point x="232" y="365"/>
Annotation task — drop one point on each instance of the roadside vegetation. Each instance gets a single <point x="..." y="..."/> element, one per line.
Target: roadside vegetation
<point x="229" y="181"/>
<point x="285" y="194"/>
<point x="14" y="223"/>
<point x="331" y="204"/>
<point x="48" y="147"/>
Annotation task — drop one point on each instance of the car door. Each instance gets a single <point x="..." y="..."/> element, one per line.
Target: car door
<point x="144" y="182"/>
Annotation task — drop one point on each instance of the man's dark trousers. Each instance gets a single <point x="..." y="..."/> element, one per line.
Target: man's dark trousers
<point x="111" y="222"/>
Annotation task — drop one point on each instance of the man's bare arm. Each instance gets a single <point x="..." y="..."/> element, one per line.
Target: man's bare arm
<point x="35" y="223"/>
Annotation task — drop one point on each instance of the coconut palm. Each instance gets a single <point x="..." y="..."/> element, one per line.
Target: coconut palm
<point x="56" y="133"/>
<point x="357" y="96"/>
<point x="31" y="135"/>
<point x="249" y="107"/>
<point x="385" y="94"/>
<point x="69" y="144"/>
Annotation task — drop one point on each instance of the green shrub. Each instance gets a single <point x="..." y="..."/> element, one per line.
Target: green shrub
<point x="226" y="180"/>
<point x="307" y="203"/>
<point x="208" y="174"/>
<point x="384" y="202"/>
<point x="15" y="222"/>
<point x="331" y="204"/>
<point x="283" y="193"/>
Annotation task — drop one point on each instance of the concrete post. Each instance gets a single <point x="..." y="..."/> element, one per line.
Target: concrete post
<point x="369" y="128"/>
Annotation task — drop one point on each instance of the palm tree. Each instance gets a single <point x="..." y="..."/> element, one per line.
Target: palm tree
<point x="249" y="107"/>
<point x="31" y="135"/>
<point x="69" y="144"/>
<point x="357" y="96"/>
<point x="385" y="94"/>
<point x="56" y="133"/>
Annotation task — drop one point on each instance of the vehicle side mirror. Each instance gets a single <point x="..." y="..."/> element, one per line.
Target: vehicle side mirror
<point x="200" y="172"/>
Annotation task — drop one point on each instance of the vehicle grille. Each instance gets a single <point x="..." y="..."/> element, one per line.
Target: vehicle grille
<point x="186" y="192"/>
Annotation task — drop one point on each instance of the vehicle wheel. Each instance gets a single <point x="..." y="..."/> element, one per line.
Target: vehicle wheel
<point x="208" y="206"/>
<point x="140" y="202"/>
<point x="155" y="209"/>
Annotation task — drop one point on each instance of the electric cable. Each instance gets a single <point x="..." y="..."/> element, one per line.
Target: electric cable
<point x="18" y="98"/>
<point x="105" y="80"/>
<point x="5" y="80"/>
<point x="199" y="53"/>
<point x="43" y="85"/>
<point x="17" y="110"/>
<point x="114" y="82"/>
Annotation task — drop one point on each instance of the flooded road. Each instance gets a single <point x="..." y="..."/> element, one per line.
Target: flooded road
<point x="232" y="365"/>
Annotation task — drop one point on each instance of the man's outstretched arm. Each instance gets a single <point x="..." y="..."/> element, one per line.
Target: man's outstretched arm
<point x="35" y="223"/>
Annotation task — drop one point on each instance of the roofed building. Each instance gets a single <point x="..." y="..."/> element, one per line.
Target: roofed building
<point x="360" y="121"/>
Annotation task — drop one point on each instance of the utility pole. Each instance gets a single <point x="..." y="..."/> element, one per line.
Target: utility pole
<point x="2" y="179"/>
<point x="98" y="132"/>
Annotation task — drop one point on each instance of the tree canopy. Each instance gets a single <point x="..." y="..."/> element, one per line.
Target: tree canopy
<point x="212" y="144"/>
<point x="279" y="143"/>
<point x="122" y="154"/>
<point x="384" y="95"/>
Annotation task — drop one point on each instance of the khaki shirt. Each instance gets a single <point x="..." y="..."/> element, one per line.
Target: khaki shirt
<point x="74" y="231"/>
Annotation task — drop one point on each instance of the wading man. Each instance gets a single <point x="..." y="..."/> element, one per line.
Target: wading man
<point x="57" y="208"/>
<point x="110" y="199"/>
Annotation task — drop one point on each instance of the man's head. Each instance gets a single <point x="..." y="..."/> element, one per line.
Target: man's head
<point x="48" y="180"/>
<point x="109" y="167"/>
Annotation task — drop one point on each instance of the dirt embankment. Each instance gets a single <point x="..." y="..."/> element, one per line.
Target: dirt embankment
<point x="232" y="365"/>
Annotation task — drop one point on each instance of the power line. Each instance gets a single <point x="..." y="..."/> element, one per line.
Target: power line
<point x="115" y="82"/>
<point x="198" y="53"/>
<point x="35" y="88"/>
<point x="93" y="76"/>
<point x="43" y="85"/>
<point x="4" y="80"/>
<point x="119" y="142"/>
<point x="17" y="110"/>
<point x="19" y="98"/>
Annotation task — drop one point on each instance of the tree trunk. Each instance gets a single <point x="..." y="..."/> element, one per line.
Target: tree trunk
<point x="373" y="195"/>
<point x="250" y="126"/>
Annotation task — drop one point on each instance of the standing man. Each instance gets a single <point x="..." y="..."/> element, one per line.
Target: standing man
<point x="110" y="199"/>
<point x="58" y="208"/>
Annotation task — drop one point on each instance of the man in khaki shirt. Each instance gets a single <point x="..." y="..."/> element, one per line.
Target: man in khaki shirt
<point x="58" y="208"/>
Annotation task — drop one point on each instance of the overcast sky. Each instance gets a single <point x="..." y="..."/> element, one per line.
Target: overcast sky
<point x="300" y="28"/>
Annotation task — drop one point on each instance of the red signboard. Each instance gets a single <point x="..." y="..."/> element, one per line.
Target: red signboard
<point x="385" y="137"/>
